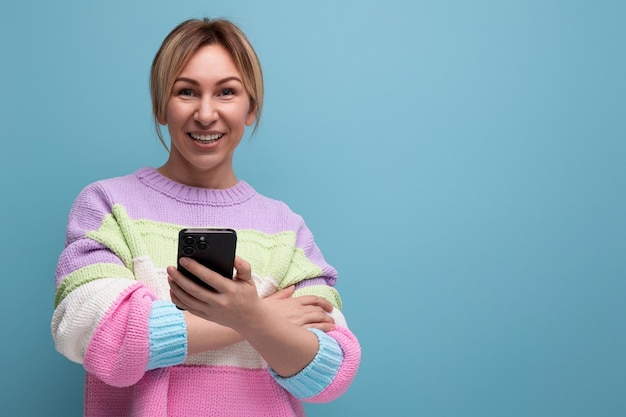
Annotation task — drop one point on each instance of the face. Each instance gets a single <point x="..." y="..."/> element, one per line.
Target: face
<point x="206" y="115"/>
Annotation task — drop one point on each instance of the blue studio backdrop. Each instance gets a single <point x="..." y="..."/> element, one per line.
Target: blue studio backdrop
<point x="461" y="163"/>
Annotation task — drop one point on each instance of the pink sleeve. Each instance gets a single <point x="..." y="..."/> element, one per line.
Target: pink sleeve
<point x="348" y="369"/>
<point x="118" y="352"/>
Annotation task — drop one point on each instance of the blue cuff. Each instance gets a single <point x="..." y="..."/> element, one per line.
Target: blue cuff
<point x="168" y="335"/>
<point x="318" y="374"/>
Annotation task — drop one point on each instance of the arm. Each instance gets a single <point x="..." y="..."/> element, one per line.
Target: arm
<point x="204" y="335"/>
<point x="337" y="362"/>
<point x="313" y="365"/>
<point x="286" y="346"/>
<point x="332" y="367"/>
<point x="305" y="311"/>
<point x="104" y="318"/>
<point x="109" y="322"/>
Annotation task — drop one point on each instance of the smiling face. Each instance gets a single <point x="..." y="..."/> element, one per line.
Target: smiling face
<point x="206" y="115"/>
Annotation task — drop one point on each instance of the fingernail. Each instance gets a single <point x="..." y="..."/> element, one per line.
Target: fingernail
<point x="183" y="261"/>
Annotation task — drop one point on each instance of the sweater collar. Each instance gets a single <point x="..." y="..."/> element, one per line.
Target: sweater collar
<point x="241" y="192"/>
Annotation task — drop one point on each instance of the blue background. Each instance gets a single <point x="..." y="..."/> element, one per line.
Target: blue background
<point x="462" y="164"/>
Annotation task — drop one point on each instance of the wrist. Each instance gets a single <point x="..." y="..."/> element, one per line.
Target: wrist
<point x="256" y="320"/>
<point x="204" y="335"/>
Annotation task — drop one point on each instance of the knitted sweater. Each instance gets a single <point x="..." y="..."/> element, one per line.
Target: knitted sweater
<point x="113" y="313"/>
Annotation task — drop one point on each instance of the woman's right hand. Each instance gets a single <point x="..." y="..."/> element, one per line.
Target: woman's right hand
<point x="307" y="311"/>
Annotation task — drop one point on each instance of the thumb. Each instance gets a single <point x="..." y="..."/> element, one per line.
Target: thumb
<point x="243" y="272"/>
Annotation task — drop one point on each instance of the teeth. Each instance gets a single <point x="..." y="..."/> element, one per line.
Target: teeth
<point x="206" y="138"/>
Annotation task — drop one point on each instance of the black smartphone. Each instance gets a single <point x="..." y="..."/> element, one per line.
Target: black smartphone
<point x="211" y="247"/>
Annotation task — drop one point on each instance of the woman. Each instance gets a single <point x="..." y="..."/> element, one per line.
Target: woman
<point x="154" y="343"/>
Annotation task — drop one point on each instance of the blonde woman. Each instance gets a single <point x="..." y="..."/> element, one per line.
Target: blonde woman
<point x="154" y="343"/>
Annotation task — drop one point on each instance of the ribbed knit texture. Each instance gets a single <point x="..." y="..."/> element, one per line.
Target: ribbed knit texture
<point x="168" y="344"/>
<point x="113" y="312"/>
<point x="313" y="379"/>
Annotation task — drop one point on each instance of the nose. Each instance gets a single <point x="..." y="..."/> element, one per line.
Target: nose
<point x="205" y="113"/>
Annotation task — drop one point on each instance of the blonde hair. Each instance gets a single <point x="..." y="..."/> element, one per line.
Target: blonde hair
<point x="180" y="45"/>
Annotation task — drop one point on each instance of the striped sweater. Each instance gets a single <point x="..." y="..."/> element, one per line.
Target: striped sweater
<point x="113" y="313"/>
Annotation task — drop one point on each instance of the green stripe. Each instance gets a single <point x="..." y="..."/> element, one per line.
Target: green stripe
<point x="130" y="239"/>
<point x="87" y="274"/>
<point x="324" y="291"/>
<point x="159" y="241"/>
<point x="271" y="255"/>
<point x="276" y="256"/>
<point x="110" y="235"/>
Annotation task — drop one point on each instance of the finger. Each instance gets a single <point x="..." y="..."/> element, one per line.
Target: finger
<point x="284" y="293"/>
<point x="243" y="271"/>
<point x="313" y="319"/>
<point x="175" y="299"/>
<point x="317" y="317"/>
<point x="325" y="327"/>
<point x="187" y="301"/>
<point x="317" y="301"/>
<point x="325" y="305"/>
<point x="193" y="306"/>
<point x="179" y="297"/>
<point x="210" y="277"/>
<point x="179" y="286"/>
<point x="188" y="295"/>
<point x="181" y="282"/>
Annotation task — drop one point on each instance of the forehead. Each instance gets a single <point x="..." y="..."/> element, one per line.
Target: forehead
<point x="210" y="61"/>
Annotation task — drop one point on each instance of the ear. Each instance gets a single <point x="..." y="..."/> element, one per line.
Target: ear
<point x="251" y="117"/>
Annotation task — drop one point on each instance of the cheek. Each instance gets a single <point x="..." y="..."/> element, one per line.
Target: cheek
<point x="237" y="118"/>
<point x="167" y="115"/>
<point x="173" y="116"/>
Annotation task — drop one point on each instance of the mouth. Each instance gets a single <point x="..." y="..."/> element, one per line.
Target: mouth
<point x="205" y="139"/>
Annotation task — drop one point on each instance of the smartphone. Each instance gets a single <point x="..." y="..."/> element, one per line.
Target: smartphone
<point x="211" y="247"/>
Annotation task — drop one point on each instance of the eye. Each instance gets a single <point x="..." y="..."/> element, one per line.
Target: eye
<point x="187" y="92"/>
<point x="227" y="92"/>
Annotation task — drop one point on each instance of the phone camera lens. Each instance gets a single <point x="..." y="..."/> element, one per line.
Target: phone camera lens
<point x="203" y="246"/>
<point x="188" y="251"/>
<point x="189" y="240"/>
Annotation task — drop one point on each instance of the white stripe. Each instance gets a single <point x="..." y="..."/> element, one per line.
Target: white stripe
<point x="76" y="318"/>
<point x="265" y="286"/>
<point x="339" y="318"/>
<point x="155" y="278"/>
<point x="241" y="355"/>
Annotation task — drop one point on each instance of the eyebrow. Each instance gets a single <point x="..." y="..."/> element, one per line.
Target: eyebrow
<point x="194" y="82"/>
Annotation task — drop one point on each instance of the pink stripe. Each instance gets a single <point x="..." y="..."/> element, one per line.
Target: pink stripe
<point x="188" y="391"/>
<point x="119" y="349"/>
<point x="348" y="369"/>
